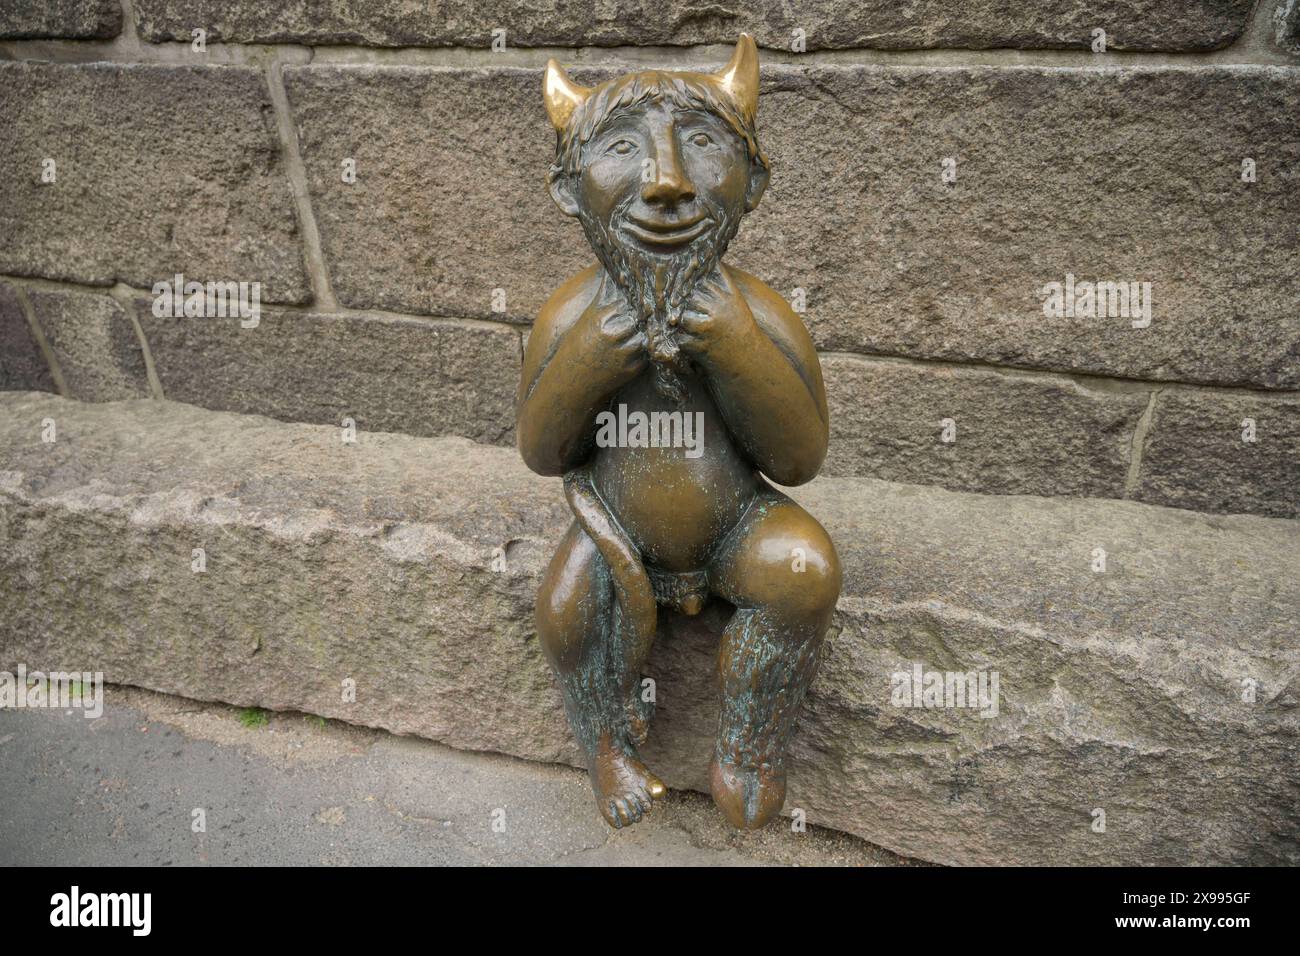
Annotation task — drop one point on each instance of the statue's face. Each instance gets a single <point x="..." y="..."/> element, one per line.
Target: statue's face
<point x="662" y="175"/>
<point x="660" y="179"/>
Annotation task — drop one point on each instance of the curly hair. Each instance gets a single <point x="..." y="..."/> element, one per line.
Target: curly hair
<point x="685" y="91"/>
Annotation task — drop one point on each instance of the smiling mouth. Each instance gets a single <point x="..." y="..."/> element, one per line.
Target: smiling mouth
<point x="668" y="234"/>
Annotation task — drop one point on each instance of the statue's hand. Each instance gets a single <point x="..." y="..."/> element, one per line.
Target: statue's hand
<point x="614" y="343"/>
<point x="718" y="322"/>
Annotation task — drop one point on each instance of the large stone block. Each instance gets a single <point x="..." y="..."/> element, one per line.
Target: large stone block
<point x="1162" y="690"/>
<point x="22" y="366"/>
<point x="1212" y="451"/>
<point x="1104" y="175"/>
<point x="1125" y="175"/>
<point x="826" y="24"/>
<point x="66" y="19"/>
<point x="94" y="343"/>
<point x="450" y="199"/>
<point x="157" y="170"/>
<point x="975" y="430"/>
<point x="418" y="376"/>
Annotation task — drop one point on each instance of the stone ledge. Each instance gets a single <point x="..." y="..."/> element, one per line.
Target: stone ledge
<point x="373" y="561"/>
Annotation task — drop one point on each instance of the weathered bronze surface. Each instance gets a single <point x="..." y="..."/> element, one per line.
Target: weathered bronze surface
<point x="664" y="385"/>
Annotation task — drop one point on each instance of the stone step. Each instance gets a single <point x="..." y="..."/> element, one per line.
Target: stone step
<point x="1160" y="690"/>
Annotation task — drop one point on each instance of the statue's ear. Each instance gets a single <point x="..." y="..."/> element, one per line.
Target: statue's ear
<point x="562" y="97"/>
<point x="562" y="191"/>
<point x="758" y="177"/>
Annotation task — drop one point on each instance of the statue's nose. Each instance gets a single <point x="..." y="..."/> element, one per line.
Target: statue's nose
<point x="665" y="182"/>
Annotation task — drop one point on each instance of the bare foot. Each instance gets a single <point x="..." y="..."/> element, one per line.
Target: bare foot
<point x="749" y="798"/>
<point x="624" y="787"/>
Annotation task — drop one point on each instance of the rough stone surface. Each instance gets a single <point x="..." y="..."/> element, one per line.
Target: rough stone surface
<point x="1103" y="174"/>
<point x="67" y="19"/>
<point x="94" y="343"/>
<point x="1108" y="175"/>
<point x="1013" y="433"/>
<point x="1195" y="456"/>
<point x="418" y="376"/>
<point x="1121" y="690"/>
<point x="22" y="366"/>
<point x="159" y="170"/>
<point x="450" y="199"/>
<point x="1286" y="17"/>
<point x="827" y="24"/>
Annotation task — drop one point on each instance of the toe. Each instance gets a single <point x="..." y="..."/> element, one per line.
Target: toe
<point x="655" y="787"/>
<point x="624" y="815"/>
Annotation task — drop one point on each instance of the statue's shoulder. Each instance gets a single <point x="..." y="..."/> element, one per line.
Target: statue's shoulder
<point x="770" y="309"/>
<point x="569" y="301"/>
<point x="559" y="313"/>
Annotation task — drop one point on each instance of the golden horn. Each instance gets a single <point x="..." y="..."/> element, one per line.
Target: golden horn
<point x="562" y="95"/>
<point x="740" y="76"/>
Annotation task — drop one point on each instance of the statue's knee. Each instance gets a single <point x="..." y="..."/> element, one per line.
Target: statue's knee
<point x="799" y="572"/>
<point x="815" y="590"/>
<point x="568" y="601"/>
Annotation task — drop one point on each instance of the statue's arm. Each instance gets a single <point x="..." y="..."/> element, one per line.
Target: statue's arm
<point x="767" y="381"/>
<point x="579" y="353"/>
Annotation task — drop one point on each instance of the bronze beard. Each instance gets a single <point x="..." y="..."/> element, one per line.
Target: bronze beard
<point x="658" y="286"/>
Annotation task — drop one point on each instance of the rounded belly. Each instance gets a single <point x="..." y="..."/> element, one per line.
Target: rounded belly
<point x="675" y="500"/>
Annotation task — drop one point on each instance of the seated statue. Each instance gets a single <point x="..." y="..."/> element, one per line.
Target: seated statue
<point x="667" y="389"/>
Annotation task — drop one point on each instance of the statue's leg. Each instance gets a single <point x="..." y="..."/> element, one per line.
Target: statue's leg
<point x="780" y="570"/>
<point x="576" y="624"/>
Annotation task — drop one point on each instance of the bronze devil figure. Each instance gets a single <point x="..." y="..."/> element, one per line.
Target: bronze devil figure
<point x="664" y="385"/>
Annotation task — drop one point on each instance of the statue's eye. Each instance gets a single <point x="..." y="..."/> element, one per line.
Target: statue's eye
<point x="622" y="147"/>
<point x="701" y="140"/>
